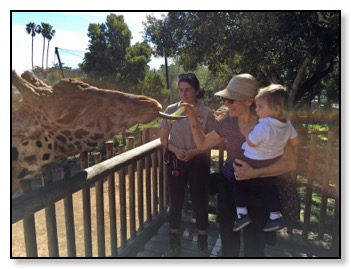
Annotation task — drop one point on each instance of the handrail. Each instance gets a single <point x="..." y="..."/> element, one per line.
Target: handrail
<point x="31" y="202"/>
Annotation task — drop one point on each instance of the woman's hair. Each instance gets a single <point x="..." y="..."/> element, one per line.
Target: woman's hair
<point x="277" y="97"/>
<point x="193" y="81"/>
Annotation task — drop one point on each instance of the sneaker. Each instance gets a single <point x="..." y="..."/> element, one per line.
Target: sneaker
<point x="174" y="248"/>
<point x="273" y="225"/>
<point x="241" y="222"/>
<point x="202" y="245"/>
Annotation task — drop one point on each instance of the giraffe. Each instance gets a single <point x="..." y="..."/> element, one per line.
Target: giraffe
<point x="67" y="119"/>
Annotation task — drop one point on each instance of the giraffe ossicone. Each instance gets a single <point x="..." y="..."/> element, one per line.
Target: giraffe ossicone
<point x="68" y="118"/>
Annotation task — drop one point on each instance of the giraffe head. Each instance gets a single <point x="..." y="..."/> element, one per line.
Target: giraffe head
<point x="69" y="118"/>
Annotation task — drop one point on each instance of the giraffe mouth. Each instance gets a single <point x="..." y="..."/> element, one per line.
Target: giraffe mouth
<point x="170" y="117"/>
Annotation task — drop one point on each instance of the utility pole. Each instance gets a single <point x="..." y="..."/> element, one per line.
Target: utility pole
<point x="59" y="60"/>
<point x="167" y="79"/>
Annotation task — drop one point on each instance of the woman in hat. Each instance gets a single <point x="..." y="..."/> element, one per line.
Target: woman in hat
<point x="187" y="165"/>
<point x="239" y="98"/>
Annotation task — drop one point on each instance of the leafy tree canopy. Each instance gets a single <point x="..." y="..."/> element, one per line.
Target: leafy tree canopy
<point x="297" y="49"/>
<point x="111" y="58"/>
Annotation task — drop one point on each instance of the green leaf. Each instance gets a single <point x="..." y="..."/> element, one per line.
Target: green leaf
<point x="178" y="112"/>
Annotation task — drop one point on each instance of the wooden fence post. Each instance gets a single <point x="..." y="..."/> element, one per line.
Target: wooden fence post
<point x="69" y="216"/>
<point x="50" y="216"/>
<point x="122" y="201"/>
<point x="309" y="187"/>
<point x="100" y="219"/>
<point x="325" y="185"/>
<point x="131" y="179"/>
<point x="30" y="239"/>
<point x="112" y="203"/>
<point x="88" y="245"/>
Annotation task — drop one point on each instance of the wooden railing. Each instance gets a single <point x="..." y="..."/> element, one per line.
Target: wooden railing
<point x="135" y="204"/>
<point x="318" y="168"/>
<point x="144" y="195"/>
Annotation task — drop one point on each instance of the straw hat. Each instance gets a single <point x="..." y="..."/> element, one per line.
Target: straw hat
<point x="240" y="87"/>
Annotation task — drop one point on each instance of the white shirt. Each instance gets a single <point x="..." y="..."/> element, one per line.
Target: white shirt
<point x="270" y="136"/>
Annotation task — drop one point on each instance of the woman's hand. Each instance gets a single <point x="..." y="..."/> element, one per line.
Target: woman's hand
<point x="180" y="154"/>
<point x="189" y="155"/>
<point x="243" y="171"/>
<point x="189" y="110"/>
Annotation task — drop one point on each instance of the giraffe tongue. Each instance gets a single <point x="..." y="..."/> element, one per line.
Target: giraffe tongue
<point x="170" y="117"/>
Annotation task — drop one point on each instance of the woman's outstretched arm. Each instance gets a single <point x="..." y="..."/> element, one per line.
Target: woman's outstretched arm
<point x="203" y="142"/>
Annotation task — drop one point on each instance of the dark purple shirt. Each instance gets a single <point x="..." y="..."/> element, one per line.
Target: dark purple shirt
<point x="229" y="129"/>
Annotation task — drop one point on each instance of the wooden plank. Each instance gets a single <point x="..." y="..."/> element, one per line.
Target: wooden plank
<point x="69" y="217"/>
<point x="326" y="177"/>
<point x="112" y="203"/>
<point x="309" y="187"/>
<point x="50" y="216"/>
<point x="29" y="232"/>
<point x="100" y="219"/>
<point x="34" y="201"/>
<point x="88" y="245"/>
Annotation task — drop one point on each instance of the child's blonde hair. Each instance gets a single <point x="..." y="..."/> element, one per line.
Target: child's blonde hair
<point x="277" y="97"/>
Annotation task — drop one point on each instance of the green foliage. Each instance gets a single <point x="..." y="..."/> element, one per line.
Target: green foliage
<point x="111" y="58"/>
<point x="297" y="49"/>
<point x="153" y="86"/>
<point x="140" y="127"/>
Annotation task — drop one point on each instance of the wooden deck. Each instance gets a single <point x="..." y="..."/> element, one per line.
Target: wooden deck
<point x="287" y="246"/>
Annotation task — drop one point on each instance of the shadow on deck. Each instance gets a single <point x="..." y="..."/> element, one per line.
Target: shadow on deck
<point x="287" y="246"/>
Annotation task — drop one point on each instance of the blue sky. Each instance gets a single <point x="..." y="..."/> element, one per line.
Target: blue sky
<point x="71" y="34"/>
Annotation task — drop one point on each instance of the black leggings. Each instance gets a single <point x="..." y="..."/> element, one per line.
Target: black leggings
<point x="195" y="174"/>
<point x="255" y="238"/>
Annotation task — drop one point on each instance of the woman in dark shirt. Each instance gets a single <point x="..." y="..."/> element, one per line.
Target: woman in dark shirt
<point x="239" y="98"/>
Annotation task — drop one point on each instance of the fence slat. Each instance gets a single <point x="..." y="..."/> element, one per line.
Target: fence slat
<point x="325" y="185"/>
<point x="100" y="219"/>
<point x="122" y="202"/>
<point x="30" y="238"/>
<point x="50" y="216"/>
<point x="140" y="188"/>
<point x="154" y="184"/>
<point x="309" y="187"/>
<point x="69" y="217"/>
<point x="148" y="188"/>
<point x="112" y="203"/>
<point x="160" y="179"/>
<point x="88" y="244"/>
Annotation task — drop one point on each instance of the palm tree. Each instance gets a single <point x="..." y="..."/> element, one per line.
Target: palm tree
<point x="44" y="31"/>
<point x="32" y="29"/>
<point x="50" y="34"/>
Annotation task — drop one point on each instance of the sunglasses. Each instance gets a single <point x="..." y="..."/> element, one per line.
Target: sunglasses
<point x="230" y="101"/>
<point x="187" y="76"/>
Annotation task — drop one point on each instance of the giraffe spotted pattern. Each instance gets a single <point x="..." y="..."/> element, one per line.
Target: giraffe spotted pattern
<point x="68" y="118"/>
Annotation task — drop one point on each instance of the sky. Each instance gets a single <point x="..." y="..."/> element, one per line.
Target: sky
<point x="71" y="30"/>
<point x="7" y="55"/>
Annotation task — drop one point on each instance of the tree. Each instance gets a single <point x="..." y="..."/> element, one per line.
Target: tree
<point x="136" y="59"/>
<point x="111" y="58"/>
<point x="47" y="32"/>
<point x="157" y="33"/>
<point x="154" y="87"/>
<point x="297" y="49"/>
<point x="32" y="29"/>
<point x="49" y="35"/>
